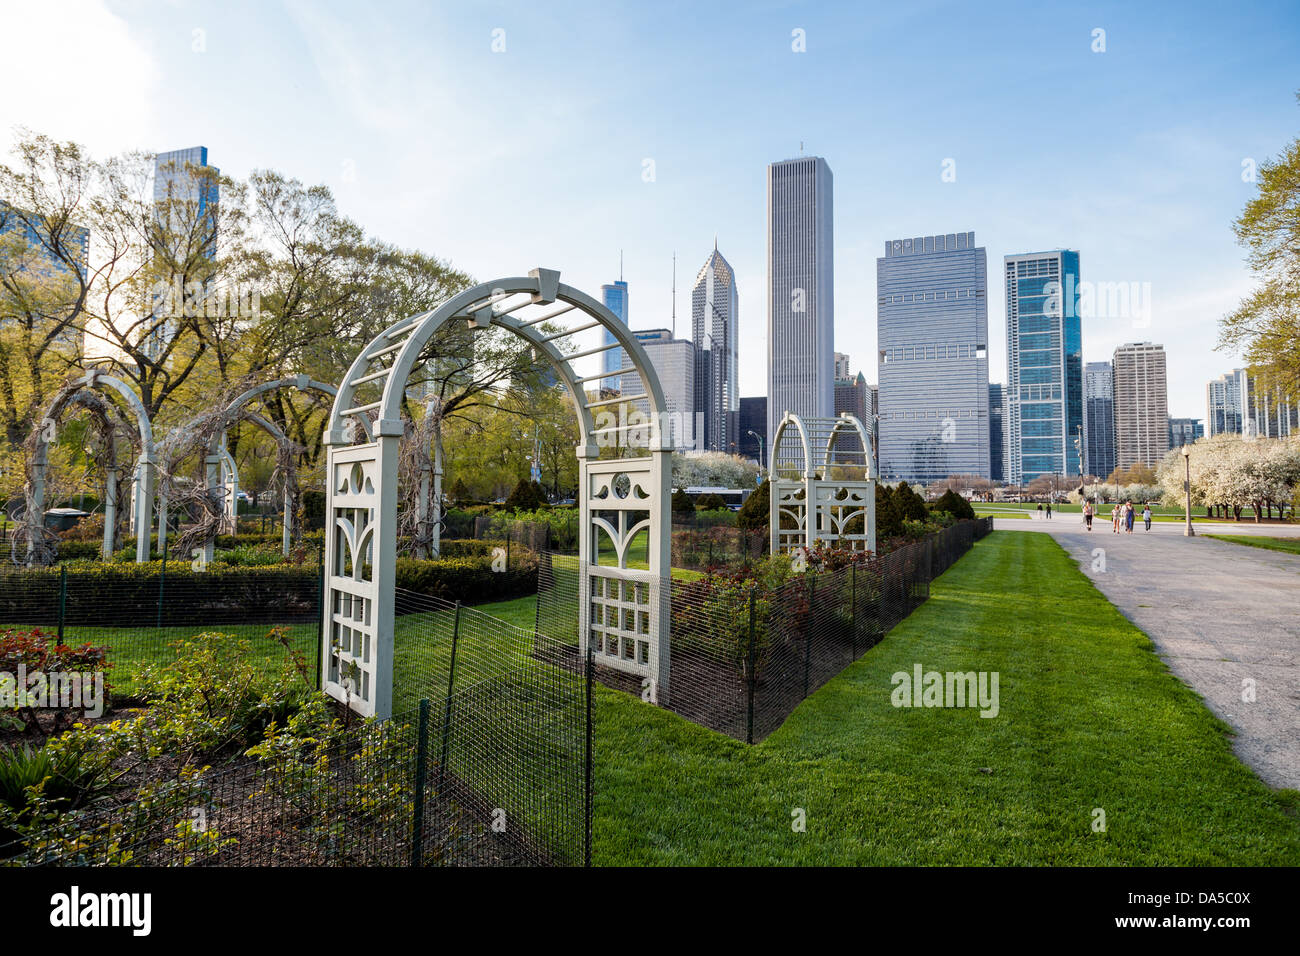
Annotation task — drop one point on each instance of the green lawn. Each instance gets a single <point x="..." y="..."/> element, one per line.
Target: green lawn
<point x="1291" y="545"/>
<point x="1090" y="718"/>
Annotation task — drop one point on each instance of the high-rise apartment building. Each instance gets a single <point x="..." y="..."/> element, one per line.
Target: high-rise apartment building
<point x="932" y="322"/>
<point x="1185" y="431"/>
<point x="186" y="195"/>
<point x="1141" y="405"/>
<point x="800" y="290"/>
<point x="1239" y="403"/>
<point x="1044" y="364"/>
<point x="997" y="431"/>
<point x="673" y="361"/>
<point x="715" y="331"/>
<point x="614" y="295"/>
<point x="1099" y="419"/>
<point x="37" y="251"/>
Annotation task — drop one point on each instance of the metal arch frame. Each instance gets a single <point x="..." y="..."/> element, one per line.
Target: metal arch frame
<point x="219" y="466"/>
<point x="145" y="467"/>
<point x="827" y="502"/>
<point x="362" y="493"/>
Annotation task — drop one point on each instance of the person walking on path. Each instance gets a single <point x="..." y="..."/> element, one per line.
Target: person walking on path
<point x="1146" y="515"/>
<point x="1049" y="510"/>
<point x="1114" y="518"/>
<point x="1128" y="516"/>
<point x="1087" y="514"/>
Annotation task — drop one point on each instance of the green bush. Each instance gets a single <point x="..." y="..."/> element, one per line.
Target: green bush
<point x="954" y="504"/>
<point x="472" y="580"/>
<point x="910" y="505"/>
<point x="682" y="503"/>
<point x="754" y="512"/>
<point x="527" y="496"/>
<point x="710" y="502"/>
<point x="889" y="521"/>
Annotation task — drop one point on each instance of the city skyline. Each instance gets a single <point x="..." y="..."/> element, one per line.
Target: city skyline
<point x="1151" y="200"/>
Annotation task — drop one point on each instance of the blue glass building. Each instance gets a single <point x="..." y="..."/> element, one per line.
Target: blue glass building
<point x="1044" y="365"/>
<point x="615" y="299"/>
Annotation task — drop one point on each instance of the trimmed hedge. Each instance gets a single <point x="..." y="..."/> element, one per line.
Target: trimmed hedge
<point x="127" y="595"/>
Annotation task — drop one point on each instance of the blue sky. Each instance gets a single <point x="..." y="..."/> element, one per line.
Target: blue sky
<point x="501" y="161"/>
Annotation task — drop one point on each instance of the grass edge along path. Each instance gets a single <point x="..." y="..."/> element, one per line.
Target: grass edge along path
<point x="1090" y="720"/>
<point x="1285" y="545"/>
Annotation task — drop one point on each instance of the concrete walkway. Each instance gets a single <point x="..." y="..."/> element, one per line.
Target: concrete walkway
<point x="1220" y="614"/>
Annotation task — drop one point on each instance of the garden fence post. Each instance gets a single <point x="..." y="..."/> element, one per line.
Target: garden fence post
<point x="63" y="598"/>
<point x="587" y="781"/>
<point x="421" y="768"/>
<point x="853" y="607"/>
<point x="751" y="679"/>
<point x="807" y="653"/>
<point x="446" y="712"/>
<point x="508" y="549"/>
<point x="320" y="616"/>
<point x="162" y="584"/>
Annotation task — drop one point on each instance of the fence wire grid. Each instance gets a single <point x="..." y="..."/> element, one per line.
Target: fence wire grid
<point x="741" y="655"/>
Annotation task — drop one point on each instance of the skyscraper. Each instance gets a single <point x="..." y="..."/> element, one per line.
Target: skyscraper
<point x="1225" y="400"/>
<point x="1239" y="403"/>
<point x="715" y="330"/>
<point x="1099" y="419"/>
<point x="1185" y="431"/>
<point x="1044" y="364"/>
<point x="800" y="290"/>
<point x="614" y="296"/>
<point x="997" y="431"/>
<point x="673" y="361"/>
<point x="933" y="324"/>
<point x="753" y="418"/>
<point x="1141" y="405"/>
<point x="185" y="194"/>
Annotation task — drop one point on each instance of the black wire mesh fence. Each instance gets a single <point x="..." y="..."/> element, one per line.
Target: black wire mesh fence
<point x="488" y="762"/>
<point x="745" y="649"/>
<point x="138" y="612"/>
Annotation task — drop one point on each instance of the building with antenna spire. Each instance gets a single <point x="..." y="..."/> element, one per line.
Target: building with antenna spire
<point x="715" y="332"/>
<point x="614" y="296"/>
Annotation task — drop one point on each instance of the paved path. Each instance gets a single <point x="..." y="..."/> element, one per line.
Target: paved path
<point x="1219" y="614"/>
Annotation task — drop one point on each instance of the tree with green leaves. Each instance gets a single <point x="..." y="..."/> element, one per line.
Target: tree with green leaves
<point x="1265" y="328"/>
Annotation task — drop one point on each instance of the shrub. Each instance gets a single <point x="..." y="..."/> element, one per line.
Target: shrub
<point x="889" y="521"/>
<point x="954" y="504"/>
<point x="910" y="505"/>
<point x="470" y="579"/>
<point x="710" y="502"/>
<point x="754" y="512"/>
<point x="33" y="652"/>
<point x="682" y="503"/>
<point x="527" y="496"/>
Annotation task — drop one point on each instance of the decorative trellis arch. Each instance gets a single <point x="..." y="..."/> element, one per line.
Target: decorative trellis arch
<point x="822" y="474"/>
<point x="220" y="468"/>
<point x="97" y="379"/>
<point x="623" y="611"/>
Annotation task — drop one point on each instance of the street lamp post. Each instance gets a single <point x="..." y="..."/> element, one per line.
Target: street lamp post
<point x="761" y="459"/>
<point x="1187" y="487"/>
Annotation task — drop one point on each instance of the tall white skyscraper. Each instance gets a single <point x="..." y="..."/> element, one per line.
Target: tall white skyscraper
<point x="715" y="330"/>
<point x="800" y="290"/>
<point x="1141" y="405"/>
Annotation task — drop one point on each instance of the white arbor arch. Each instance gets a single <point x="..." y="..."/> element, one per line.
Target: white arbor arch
<point x="823" y="477"/>
<point x="220" y="468"/>
<point x="622" y="610"/>
<point x="97" y="379"/>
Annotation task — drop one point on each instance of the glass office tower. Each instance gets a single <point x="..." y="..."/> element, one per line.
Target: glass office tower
<point x="1044" y="364"/>
<point x="615" y="299"/>
<point x="933" y="324"/>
